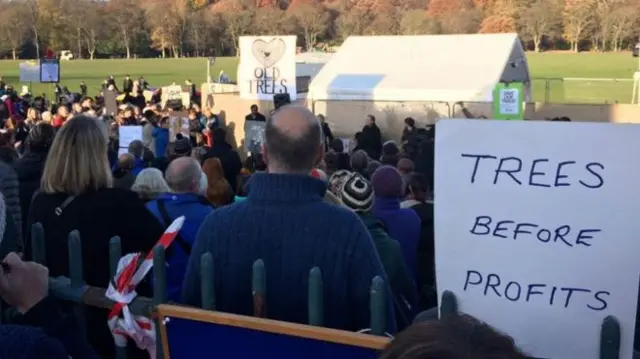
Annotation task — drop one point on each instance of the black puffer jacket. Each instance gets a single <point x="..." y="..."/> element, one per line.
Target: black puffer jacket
<point x="29" y="170"/>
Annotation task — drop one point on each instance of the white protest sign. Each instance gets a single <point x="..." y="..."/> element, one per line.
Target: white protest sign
<point x="267" y="67"/>
<point x="509" y="98"/>
<point x="29" y="71"/>
<point x="537" y="229"/>
<point x="128" y="134"/>
<point x="173" y="92"/>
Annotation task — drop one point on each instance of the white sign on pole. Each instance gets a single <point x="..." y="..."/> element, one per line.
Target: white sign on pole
<point x="536" y="229"/>
<point x="267" y="67"/>
<point x="29" y="71"/>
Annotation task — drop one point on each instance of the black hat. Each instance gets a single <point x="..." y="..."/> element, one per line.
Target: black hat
<point x="182" y="147"/>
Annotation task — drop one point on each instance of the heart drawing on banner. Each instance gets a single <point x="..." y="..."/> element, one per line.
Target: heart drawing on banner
<point x="268" y="53"/>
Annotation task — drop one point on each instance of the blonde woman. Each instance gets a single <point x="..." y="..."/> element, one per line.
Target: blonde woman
<point x="33" y="117"/>
<point x="76" y="194"/>
<point x="149" y="184"/>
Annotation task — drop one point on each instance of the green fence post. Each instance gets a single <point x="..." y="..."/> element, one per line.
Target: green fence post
<point x="37" y="244"/>
<point x="207" y="284"/>
<point x="259" y="288"/>
<point x="115" y="252"/>
<point x="316" y="299"/>
<point x="76" y="275"/>
<point x="159" y="289"/>
<point x="610" y="338"/>
<point x="378" y="306"/>
<point x="448" y="304"/>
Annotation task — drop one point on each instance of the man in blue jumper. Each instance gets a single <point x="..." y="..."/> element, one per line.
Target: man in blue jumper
<point x="286" y="223"/>
<point x="183" y="177"/>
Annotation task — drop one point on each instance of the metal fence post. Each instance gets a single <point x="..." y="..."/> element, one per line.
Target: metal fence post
<point x="207" y="284"/>
<point x="76" y="275"/>
<point x="378" y="306"/>
<point x="159" y="289"/>
<point x="115" y="252"/>
<point x="259" y="289"/>
<point x="315" y="298"/>
<point x="38" y="253"/>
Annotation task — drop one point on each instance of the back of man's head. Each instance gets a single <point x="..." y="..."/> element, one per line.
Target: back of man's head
<point x="293" y="141"/>
<point x="183" y="175"/>
<point x="136" y="148"/>
<point x="126" y="162"/>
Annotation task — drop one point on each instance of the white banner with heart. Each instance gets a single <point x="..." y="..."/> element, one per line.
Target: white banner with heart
<point x="267" y="67"/>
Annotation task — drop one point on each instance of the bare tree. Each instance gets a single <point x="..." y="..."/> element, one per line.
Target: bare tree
<point x="353" y="21"/>
<point x="127" y="17"/>
<point x="12" y="26"/>
<point x="622" y="25"/>
<point x="416" y="22"/>
<point x="539" y="19"/>
<point x="313" y="22"/>
<point x="578" y="15"/>
<point x="237" y="24"/>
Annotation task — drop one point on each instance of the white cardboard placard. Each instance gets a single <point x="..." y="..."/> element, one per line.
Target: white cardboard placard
<point x="267" y="67"/>
<point x="585" y="176"/>
<point x="128" y="134"/>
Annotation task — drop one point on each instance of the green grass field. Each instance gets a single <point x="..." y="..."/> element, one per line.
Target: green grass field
<point x="551" y="66"/>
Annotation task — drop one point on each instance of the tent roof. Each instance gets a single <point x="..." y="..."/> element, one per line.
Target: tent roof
<point x="420" y="68"/>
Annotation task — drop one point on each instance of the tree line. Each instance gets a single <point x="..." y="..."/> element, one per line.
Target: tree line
<point x="177" y="28"/>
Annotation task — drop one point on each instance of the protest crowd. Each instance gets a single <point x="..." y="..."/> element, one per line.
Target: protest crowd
<point x="303" y="200"/>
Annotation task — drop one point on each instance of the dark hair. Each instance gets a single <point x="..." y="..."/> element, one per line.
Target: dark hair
<point x="453" y="337"/>
<point x="259" y="164"/>
<point x="295" y="153"/>
<point x="331" y="160"/>
<point x="136" y="148"/>
<point x="243" y="181"/>
<point x="359" y="161"/>
<point x="337" y="145"/>
<point x="254" y="106"/>
<point x="390" y="160"/>
<point x="40" y="138"/>
<point x="372" y="118"/>
<point x="419" y="185"/>
<point x="219" y="136"/>
<point x="410" y="121"/>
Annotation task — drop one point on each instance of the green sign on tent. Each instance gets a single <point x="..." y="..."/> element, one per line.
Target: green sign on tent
<point x="508" y="100"/>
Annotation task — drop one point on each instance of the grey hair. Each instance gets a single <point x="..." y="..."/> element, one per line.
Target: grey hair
<point x="150" y="183"/>
<point x="181" y="180"/>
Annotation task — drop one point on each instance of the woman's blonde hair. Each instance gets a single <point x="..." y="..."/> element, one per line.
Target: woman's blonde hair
<point x="219" y="192"/>
<point x="149" y="184"/>
<point x="77" y="161"/>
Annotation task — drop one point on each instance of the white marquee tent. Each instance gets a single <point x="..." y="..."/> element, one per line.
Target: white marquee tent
<point x="421" y="68"/>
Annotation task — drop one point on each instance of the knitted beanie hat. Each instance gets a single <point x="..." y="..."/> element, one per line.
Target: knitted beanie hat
<point x="337" y="180"/>
<point x="357" y="193"/>
<point x="387" y="182"/>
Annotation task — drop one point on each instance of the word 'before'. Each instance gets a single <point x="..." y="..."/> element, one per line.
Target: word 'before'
<point x="541" y="293"/>
<point x="540" y="172"/>
<point x="564" y="234"/>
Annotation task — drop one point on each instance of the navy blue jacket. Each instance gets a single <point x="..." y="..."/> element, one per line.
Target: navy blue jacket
<point x="286" y="223"/>
<point x="195" y="208"/>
